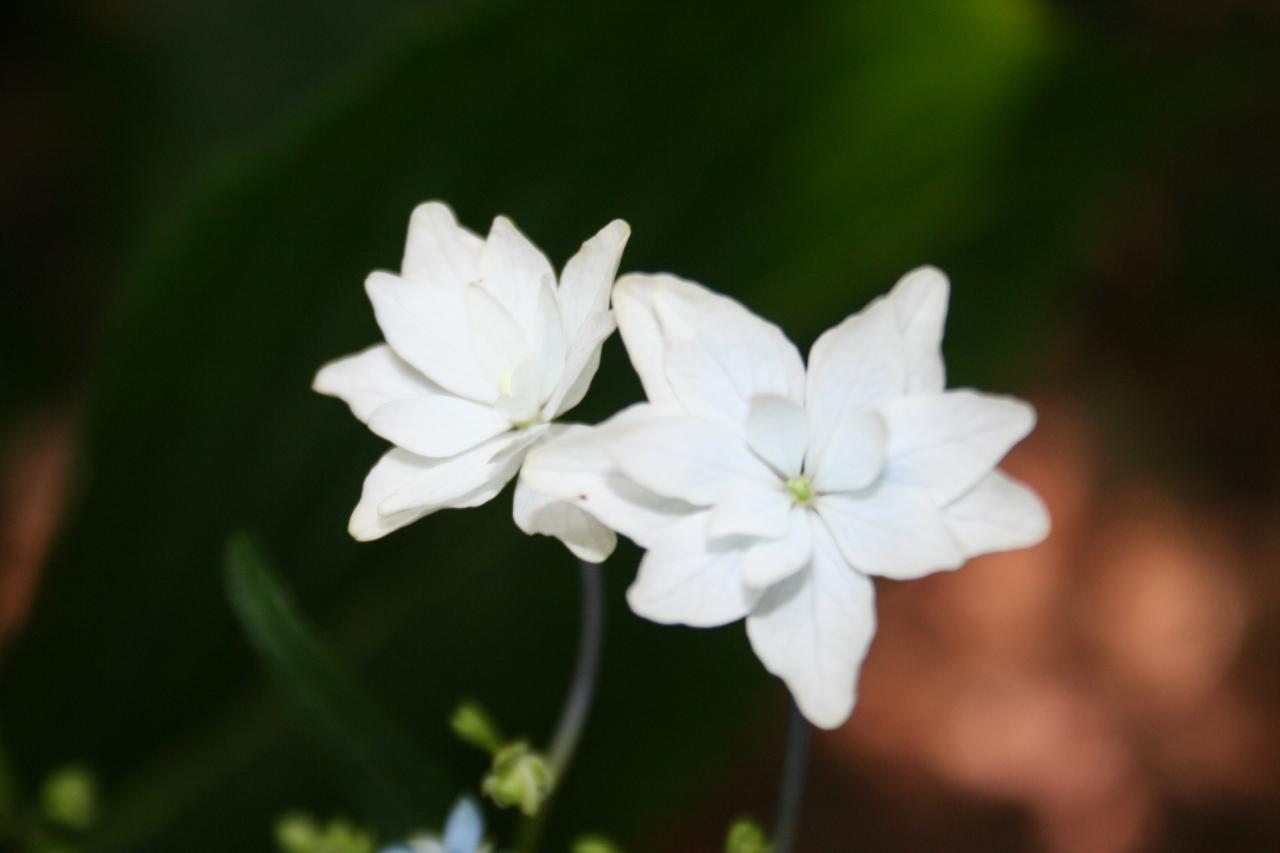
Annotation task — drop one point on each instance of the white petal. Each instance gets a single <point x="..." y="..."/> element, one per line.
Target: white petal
<point x="919" y="301"/>
<point x="771" y="561"/>
<point x="703" y="350"/>
<point x="890" y="530"/>
<point x="550" y="346"/>
<point x="778" y="431"/>
<point x="857" y="365"/>
<point x="752" y="509"/>
<point x="497" y="337"/>
<point x="518" y="392"/>
<point x="852" y="455"/>
<point x="539" y="514"/>
<point x="684" y="457"/>
<point x="687" y="578"/>
<point x="437" y="424"/>
<point x="945" y="443"/>
<point x="371" y="378"/>
<point x="513" y="270"/>
<point x="580" y="366"/>
<point x="588" y="277"/>
<point x="439" y="251"/>
<point x="998" y="514"/>
<point x="403" y="484"/>
<point x="813" y="631"/>
<point x="573" y="466"/>
<point x="427" y="326"/>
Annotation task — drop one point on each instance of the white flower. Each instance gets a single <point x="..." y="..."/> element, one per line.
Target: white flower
<point x="765" y="491"/>
<point x="463" y="833"/>
<point x="484" y="349"/>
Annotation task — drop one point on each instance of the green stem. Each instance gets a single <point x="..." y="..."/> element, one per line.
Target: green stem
<point x="577" y="704"/>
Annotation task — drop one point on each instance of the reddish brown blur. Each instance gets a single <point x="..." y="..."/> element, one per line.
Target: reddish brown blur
<point x="1093" y="684"/>
<point x="34" y="463"/>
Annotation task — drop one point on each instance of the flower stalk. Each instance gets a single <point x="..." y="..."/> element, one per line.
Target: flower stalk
<point x="577" y="704"/>
<point x="791" y="790"/>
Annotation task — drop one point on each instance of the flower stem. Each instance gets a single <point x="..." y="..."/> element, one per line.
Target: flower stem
<point x="577" y="703"/>
<point x="791" y="791"/>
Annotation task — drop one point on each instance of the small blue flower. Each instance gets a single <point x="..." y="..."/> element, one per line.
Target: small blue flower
<point x="463" y="833"/>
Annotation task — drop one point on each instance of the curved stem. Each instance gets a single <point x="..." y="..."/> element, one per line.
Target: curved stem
<point x="791" y="791"/>
<point x="577" y="703"/>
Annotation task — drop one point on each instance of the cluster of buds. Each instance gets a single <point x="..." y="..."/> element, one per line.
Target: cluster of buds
<point x="519" y="776"/>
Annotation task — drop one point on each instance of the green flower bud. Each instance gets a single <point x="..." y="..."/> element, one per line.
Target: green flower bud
<point x="473" y="725"/>
<point x="595" y="844"/>
<point x="519" y="777"/>
<point x="300" y="833"/>
<point x="297" y="833"/>
<point x="746" y="836"/>
<point x="69" y="799"/>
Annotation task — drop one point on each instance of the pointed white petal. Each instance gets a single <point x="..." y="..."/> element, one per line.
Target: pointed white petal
<point x="813" y="631"/>
<point x="778" y="431"/>
<point x="758" y="509"/>
<point x="703" y="350"/>
<point x="498" y="338"/>
<point x="684" y="457"/>
<point x="404" y="483"/>
<point x="550" y="346"/>
<point x="580" y="366"/>
<point x="642" y="335"/>
<point x="857" y="365"/>
<point x="437" y="424"/>
<point x="919" y="301"/>
<point x="774" y="560"/>
<point x="539" y="514"/>
<point x="573" y="466"/>
<point x="464" y="830"/>
<point x="371" y="378"/>
<point x="588" y="277"/>
<point x="852" y="455"/>
<point x="998" y="514"/>
<point x="427" y="326"/>
<point x="439" y="251"/>
<point x="513" y="270"/>
<point x="689" y="579"/>
<point x="945" y="443"/>
<point x="890" y="530"/>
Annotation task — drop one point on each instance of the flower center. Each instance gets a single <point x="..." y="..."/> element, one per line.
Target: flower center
<point x="800" y="488"/>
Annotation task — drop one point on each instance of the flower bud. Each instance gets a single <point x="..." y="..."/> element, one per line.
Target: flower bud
<point x="70" y="799"/>
<point x="746" y="836"/>
<point x="519" y="777"/>
<point x="300" y="833"/>
<point x="473" y="725"/>
<point x="595" y="844"/>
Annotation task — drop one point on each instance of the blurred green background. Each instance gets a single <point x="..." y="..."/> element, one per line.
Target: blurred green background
<point x="193" y="194"/>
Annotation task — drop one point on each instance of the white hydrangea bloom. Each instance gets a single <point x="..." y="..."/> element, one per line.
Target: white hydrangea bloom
<point x="484" y="349"/>
<point x="767" y="491"/>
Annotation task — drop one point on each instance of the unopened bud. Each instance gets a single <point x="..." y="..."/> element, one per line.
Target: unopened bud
<point x="746" y="836"/>
<point x="519" y="777"/>
<point x="70" y="799"/>
<point x="473" y="725"/>
<point x="595" y="844"/>
<point x="299" y="833"/>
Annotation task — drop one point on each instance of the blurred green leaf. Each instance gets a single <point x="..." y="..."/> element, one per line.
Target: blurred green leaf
<point x="397" y="784"/>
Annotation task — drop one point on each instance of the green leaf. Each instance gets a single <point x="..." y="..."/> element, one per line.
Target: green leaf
<point x="399" y="787"/>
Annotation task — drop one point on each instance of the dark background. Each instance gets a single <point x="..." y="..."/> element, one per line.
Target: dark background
<point x="191" y="194"/>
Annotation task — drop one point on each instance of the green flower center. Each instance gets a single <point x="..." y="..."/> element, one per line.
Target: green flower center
<point x="800" y="488"/>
